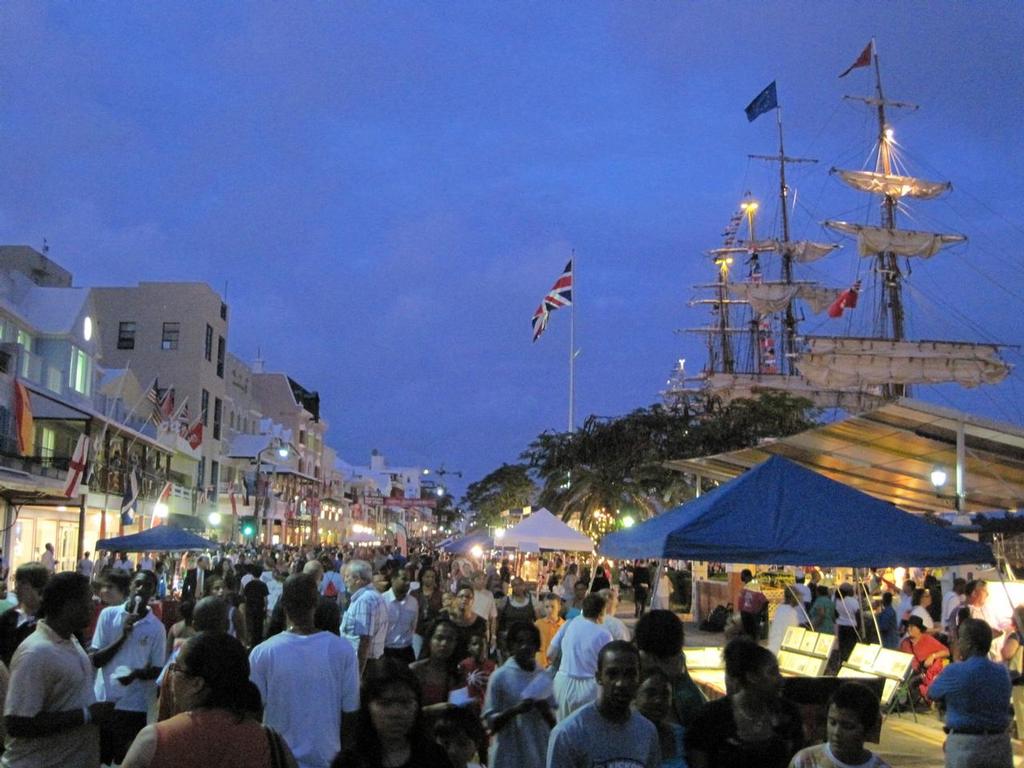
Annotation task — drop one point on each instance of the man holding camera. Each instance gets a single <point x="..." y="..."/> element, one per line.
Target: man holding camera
<point x="128" y="650"/>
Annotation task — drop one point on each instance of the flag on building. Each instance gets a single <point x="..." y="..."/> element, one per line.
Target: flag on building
<point x="23" y="424"/>
<point x="765" y="101"/>
<point x="846" y="300"/>
<point x="167" y="405"/>
<point x="863" y="60"/>
<point x="232" y="491"/>
<point x="130" y="499"/>
<point x="161" y="508"/>
<point x="559" y="296"/>
<point x="77" y="468"/>
<point x="194" y="434"/>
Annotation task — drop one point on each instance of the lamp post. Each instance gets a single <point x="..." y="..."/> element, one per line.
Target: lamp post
<point x="282" y="451"/>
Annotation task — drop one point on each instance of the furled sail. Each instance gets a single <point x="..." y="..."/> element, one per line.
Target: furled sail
<point x="731" y="386"/>
<point x="904" y="242"/>
<point x="836" y="362"/>
<point x="805" y="251"/>
<point x="768" y="297"/>
<point x="892" y="185"/>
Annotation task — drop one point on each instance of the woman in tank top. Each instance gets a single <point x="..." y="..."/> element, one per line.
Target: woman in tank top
<point x="221" y="725"/>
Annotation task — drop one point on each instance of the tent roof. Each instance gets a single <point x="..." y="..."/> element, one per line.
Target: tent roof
<point x="163" y="538"/>
<point x="890" y="453"/>
<point x="546" y="531"/>
<point x="466" y="543"/>
<point x="774" y="514"/>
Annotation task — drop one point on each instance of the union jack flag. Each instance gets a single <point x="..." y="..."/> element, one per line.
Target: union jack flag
<point x="559" y="296"/>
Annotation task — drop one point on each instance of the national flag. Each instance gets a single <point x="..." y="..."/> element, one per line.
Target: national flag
<point x="77" y="467"/>
<point x="559" y="296"/>
<point x="765" y="101"/>
<point x="130" y="499"/>
<point x="23" y="423"/>
<point x="863" y="60"/>
<point x="167" y="405"/>
<point x="194" y="434"/>
<point x="165" y="499"/>
<point x="202" y="497"/>
<point x="231" y="496"/>
<point x="846" y="300"/>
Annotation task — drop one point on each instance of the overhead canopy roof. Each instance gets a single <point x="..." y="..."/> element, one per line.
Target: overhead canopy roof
<point x="545" y="531"/>
<point x="773" y="514"/>
<point x="890" y="453"/>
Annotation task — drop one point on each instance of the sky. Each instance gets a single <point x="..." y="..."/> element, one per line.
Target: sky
<point x="385" y="191"/>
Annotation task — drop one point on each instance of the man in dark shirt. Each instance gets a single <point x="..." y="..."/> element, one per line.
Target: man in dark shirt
<point x="20" y="622"/>
<point x="641" y="587"/>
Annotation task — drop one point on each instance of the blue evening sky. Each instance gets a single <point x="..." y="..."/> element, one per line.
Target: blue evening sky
<point x="387" y="190"/>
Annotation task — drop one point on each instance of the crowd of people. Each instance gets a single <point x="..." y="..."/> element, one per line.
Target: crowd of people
<point x="331" y="659"/>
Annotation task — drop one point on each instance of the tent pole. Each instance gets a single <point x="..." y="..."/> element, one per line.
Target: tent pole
<point x="874" y="619"/>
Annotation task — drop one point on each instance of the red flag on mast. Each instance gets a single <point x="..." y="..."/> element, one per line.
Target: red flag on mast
<point x="863" y="60"/>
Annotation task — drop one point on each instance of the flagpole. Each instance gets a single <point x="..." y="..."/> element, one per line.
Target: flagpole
<point x="572" y="349"/>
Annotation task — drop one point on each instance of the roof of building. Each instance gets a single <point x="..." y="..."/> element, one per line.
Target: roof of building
<point x="890" y="453"/>
<point x="45" y="310"/>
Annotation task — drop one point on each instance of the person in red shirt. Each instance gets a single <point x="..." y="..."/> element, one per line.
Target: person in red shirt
<point x="752" y="603"/>
<point x="929" y="654"/>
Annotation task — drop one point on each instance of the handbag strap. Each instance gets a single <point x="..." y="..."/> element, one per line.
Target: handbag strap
<point x="277" y="754"/>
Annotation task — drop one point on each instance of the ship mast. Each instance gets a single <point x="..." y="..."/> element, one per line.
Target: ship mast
<point x="789" y="320"/>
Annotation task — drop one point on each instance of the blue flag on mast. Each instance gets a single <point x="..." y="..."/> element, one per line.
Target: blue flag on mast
<point x="765" y="101"/>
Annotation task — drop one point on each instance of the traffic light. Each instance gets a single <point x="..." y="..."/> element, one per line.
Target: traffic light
<point x="248" y="530"/>
<point x="248" y="526"/>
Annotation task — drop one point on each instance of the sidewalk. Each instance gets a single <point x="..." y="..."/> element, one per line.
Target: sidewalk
<point x="905" y="743"/>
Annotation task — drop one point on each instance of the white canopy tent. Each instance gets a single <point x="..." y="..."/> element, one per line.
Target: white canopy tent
<point x="542" y="530"/>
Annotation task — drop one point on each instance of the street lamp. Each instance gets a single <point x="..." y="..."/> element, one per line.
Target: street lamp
<point x="214" y="518"/>
<point x="938" y="477"/>
<point x="282" y="451"/>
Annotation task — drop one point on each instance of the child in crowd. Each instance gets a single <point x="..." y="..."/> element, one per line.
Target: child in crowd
<point x="476" y="669"/>
<point x="459" y="733"/>
<point x="852" y="713"/>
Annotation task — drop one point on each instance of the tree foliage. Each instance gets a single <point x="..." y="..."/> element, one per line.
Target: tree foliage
<point x="613" y="467"/>
<point x="508" y="487"/>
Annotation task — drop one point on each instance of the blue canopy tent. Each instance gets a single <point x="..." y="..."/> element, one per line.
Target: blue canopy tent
<point x="465" y="544"/>
<point x="163" y="538"/>
<point x="779" y="512"/>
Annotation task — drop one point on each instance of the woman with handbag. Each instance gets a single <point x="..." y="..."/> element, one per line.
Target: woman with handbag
<point x="221" y="722"/>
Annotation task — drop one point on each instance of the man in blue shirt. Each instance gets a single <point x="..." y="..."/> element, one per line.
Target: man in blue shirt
<point x="976" y="692"/>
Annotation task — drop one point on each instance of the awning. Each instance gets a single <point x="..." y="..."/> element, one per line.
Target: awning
<point x="890" y="453"/>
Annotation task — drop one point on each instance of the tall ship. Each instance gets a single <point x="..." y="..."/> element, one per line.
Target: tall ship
<point x="761" y="304"/>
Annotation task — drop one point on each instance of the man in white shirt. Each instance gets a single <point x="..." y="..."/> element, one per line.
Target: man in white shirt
<point x="308" y="679"/>
<point x="615" y="626"/>
<point x="365" y="623"/>
<point x="51" y="712"/>
<point x="147" y="563"/>
<point x="578" y="644"/>
<point x="123" y="563"/>
<point x="85" y="566"/>
<point x="484" y="606"/>
<point x="128" y="650"/>
<point x="49" y="559"/>
<point x="951" y="603"/>
<point x="403" y="612"/>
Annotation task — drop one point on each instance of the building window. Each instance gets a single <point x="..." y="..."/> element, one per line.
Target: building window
<point x="25" y="340"/>
<point x="220" y="356"/>
<point x="208" y="346"/>
<point x="223" y="311"/>
<point x="217" y="408"/>
<point x="48" y="443"/>
<point x="80" y="373"/>
<point x="169" y="340"/>
<point x="201" y="473"/>
<point x="214" y="480"/>
<point x="204" y="406"/>
<point x="126" y="335"/>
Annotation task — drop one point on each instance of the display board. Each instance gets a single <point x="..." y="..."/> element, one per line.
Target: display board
<point x="890" y="666"/>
